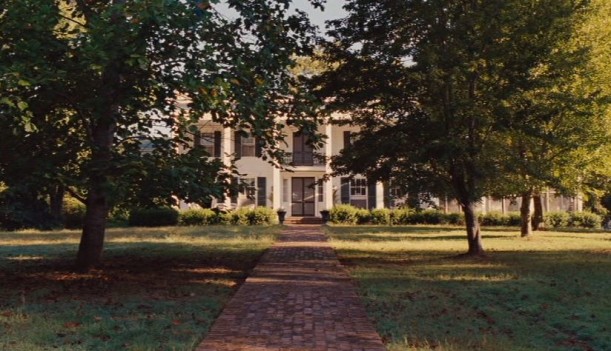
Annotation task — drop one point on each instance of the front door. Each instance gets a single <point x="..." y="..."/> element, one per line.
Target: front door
<point x="303" y="198"/>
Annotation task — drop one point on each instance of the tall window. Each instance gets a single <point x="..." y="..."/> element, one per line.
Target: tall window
<point x="207" y="142"/>
<point x="248" y="146"/>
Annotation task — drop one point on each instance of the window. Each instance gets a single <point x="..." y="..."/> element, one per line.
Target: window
<point x="207" y="142"/>
<point x="358" y="187"/>
<point x="251" y="187"/>
<point x="248" y="147"/>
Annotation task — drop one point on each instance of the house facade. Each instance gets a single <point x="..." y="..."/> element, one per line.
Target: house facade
<point x="299" y="189"/>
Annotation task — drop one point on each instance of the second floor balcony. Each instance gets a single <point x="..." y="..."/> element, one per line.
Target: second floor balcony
<point x="304" y="158"/>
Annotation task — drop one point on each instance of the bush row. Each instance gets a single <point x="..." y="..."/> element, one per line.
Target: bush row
<point x="346" y="214"/>
<point x="170" y="217"/>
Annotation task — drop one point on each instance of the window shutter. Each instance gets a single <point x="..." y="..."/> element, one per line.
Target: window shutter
<point x="346" y="139"/>
<point x="197" y="139"/>
<point x="238" y="144"/>
<point x="345" y="191"/>
<point x="261" y="191"/>
<point x="217" y="144"/>
<point x="371" y="195"/>
<point x="258" y="147"/>
<point x="386" y="187"/>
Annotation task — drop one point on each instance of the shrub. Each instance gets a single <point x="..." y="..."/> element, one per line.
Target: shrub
<point x="202" y="216"/>
<point x="73" y="213"/>
<point x="585" y="220"/>
<point x="514" y="219"/>
<point x="431" y="217"/>
<point x="493" y="219"/>
<point x="381" y="216"/>
<point x="261" y="216"/>
<point x="153" y="217"/>
<point x="455" y="218"/>
<point x="248" y="216"/>
<point x="556" y="219"/>
<point x="343" y="214"/>
<point x="400" y="216"/>
<point x="363" y="216"/>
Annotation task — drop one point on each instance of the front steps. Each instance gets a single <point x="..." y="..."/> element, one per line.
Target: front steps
<point x="303" y="220"/>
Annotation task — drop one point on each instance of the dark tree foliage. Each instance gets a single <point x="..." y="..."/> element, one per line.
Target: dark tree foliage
<point x="84" y="83"/>
<point x="432" y="84"/>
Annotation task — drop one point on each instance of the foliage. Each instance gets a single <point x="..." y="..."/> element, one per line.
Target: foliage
<point x="343" y="214"/>
<point x="253" y="216"/>
<point x="84" y="86"/>
<point x="557" y="219"/>
<point x="201" y="216"/>
<point x="511" y="219"/>
<point x="74" y="213"/>
<point x="585" y="220"/>
<point x="439" y="90"/>
<point x="153" y="217"/>
<point x="381" y="216"/>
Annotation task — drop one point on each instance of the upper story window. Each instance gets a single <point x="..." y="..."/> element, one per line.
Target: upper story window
<point x="206" y="140"/>
<point x="248" y="147"/>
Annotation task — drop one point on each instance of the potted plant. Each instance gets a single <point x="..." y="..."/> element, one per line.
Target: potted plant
<point x="325" y="216"/>
<point x="281" y="215"/>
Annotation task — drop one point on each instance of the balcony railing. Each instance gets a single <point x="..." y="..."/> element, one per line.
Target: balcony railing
<point x="304" y="159"/>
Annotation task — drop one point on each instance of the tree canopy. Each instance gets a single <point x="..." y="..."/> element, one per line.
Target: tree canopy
<point x="84" y="84"/>
<point x="445" y="91"/>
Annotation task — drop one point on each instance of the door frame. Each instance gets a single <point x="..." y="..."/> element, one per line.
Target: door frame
<point x="305" y="182"/>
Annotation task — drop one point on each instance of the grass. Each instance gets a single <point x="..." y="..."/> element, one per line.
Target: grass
<point x="550" y="292"/>
<point x="159" y="289"/>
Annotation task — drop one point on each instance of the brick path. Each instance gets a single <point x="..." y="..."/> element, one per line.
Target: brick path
<point x="298" y="298"/>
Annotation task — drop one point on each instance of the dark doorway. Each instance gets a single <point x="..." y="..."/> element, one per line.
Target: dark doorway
<point x="303" y="197"/>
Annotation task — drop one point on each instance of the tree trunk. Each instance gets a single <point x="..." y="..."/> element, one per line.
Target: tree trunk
<point x="525" y="215"/>
<point x="94" y="225"/>
<point x="538" y="215"/>
<point x="474" y="235"/>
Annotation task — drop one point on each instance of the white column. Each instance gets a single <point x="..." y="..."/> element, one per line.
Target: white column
<point x="225" y="154"/>
<point x="379" y="195"/>
<point x="277" y="189"/>
<point x="328" y="185"/>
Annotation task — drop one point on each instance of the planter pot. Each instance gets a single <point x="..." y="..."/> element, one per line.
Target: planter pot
<point x="325" y="216"/>
<point x="281" y="216"/>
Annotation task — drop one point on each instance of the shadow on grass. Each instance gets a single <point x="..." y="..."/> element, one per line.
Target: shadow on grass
<point x="526" y="300"/>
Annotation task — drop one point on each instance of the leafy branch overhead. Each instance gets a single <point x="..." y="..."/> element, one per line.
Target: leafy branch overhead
<point x="85" y="84"/>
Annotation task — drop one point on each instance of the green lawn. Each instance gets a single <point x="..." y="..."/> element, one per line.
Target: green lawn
<point x="551" y="292"/>
<point x="159" y="289"/>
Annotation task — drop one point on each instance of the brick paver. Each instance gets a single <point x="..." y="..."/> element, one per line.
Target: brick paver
<point x="298" y="298"/>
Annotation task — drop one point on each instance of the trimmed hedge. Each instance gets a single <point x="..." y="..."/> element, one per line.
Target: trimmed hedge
<point x="347" y="214"/>
<point x="587" y="220"/>
<point x="153" y="217"/>
<point x="202" y="216"/>
<point x="255" y="216"/>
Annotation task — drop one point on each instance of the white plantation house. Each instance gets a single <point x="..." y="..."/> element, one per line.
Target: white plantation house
<point x="297" y="189"/>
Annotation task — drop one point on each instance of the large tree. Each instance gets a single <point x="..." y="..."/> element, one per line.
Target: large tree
<point x="103" y="76"/>
<point x="430" y="83"/>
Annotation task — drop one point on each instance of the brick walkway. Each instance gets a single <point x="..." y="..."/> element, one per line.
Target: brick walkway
<point x="298" y="298"/>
